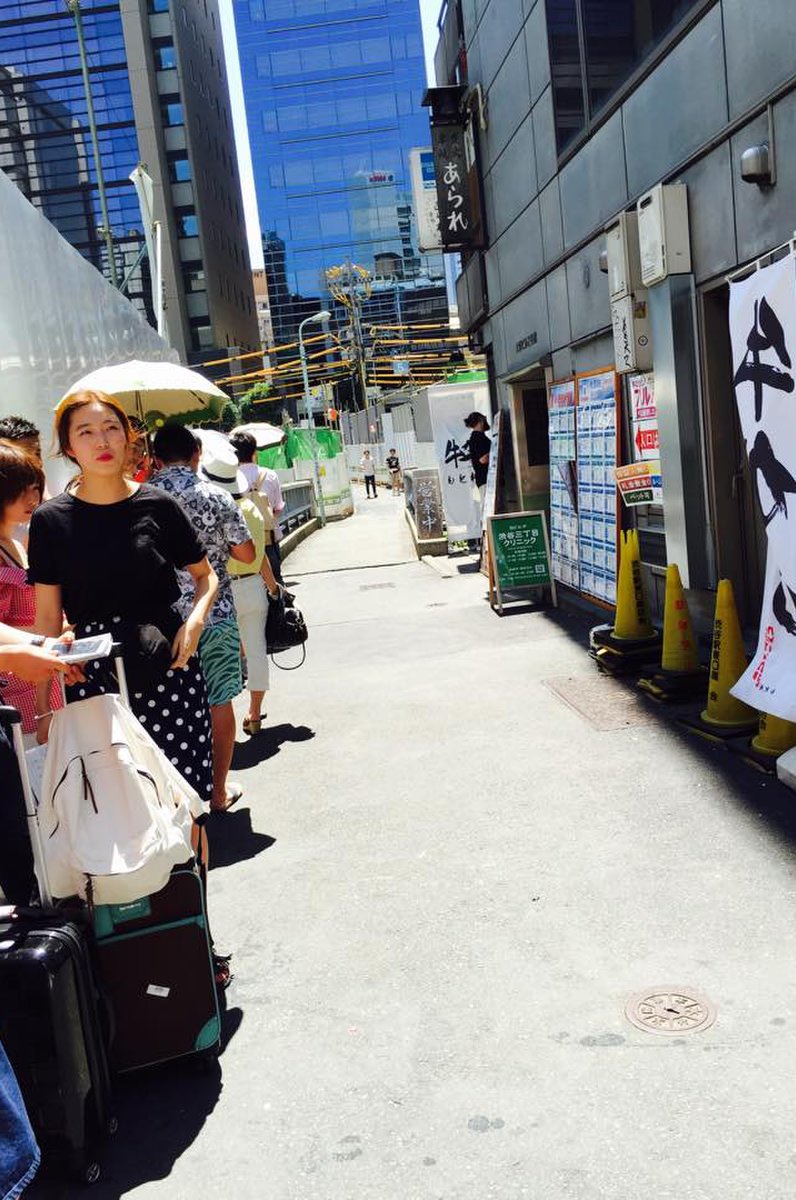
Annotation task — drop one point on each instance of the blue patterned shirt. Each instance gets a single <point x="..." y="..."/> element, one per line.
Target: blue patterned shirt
<point x="217" y="520"/>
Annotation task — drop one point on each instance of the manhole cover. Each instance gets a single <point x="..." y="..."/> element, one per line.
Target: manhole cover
<point x="606" y="703"/>
<point x="670" y="1010"/>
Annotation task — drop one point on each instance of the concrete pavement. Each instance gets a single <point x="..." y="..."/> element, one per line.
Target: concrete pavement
<point x="459" y="853"/>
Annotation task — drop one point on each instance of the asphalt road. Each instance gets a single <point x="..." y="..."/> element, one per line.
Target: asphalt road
<point x="459" y="854"/>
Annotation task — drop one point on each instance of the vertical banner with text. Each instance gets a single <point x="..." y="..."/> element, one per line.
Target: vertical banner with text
<point x="451" y="436"/>
<point x="763" y="334"/>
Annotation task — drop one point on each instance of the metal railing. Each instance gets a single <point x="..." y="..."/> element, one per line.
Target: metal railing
<point x="299" y="505"/>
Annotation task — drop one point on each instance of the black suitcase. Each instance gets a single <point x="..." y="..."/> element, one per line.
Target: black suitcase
<point x="155" y="969"/>
<point x="156" y="975"/>
<point x="49" y="1021"/>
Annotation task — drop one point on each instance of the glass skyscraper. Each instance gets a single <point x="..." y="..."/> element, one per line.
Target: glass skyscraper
<point x="158" y="83"/>
<point x="333" y="94"/>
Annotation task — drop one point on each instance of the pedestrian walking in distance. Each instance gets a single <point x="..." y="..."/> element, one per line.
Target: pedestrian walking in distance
<point x="368" y="468"/>
<point x="393" y="464"/>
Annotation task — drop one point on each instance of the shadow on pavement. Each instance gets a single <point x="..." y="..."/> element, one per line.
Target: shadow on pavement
<point x="267" y="743"/>
<point x="749" y="786"/>
<point x="161" y="1112"/>
<point x="232" y="839"/>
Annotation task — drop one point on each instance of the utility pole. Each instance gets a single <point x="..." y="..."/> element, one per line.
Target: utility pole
<point x="343" y="283"/>
<point x="74" y="8"/>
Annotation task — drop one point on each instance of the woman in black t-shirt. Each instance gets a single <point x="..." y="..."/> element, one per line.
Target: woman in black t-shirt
<point x="480" y="446"/>
<point x="106" y="553"/>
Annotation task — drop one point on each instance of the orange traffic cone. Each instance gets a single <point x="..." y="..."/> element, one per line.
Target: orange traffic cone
<point x="775" y="736"/>
<point x="728" y="662"/>
<point x="680" y="676"/>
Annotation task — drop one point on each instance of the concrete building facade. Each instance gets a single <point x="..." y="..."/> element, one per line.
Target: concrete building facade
<point x="579" y="109"/>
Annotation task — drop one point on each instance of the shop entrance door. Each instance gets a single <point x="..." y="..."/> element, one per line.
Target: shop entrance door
<point x="740" y="535"/>
<point x="532" y="445"/>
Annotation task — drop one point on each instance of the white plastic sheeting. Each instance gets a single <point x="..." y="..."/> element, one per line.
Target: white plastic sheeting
<point x="59" y="318"/>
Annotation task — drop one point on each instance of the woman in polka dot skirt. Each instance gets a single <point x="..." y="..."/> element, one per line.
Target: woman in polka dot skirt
<point x="107" y="553"/>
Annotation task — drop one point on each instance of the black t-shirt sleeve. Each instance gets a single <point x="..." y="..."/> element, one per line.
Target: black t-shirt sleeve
<point x="185" y="544"/>
<point x="42" y="558"/>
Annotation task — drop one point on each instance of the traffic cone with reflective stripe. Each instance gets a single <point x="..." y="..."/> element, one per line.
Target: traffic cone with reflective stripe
<point x="632" y="621"/>
<point x="680" y="676"/>
<point x="724" y="714"/>
<point x="632" y="642"/>
<point x="775" y="737"/>
<point x="679" y="644"/>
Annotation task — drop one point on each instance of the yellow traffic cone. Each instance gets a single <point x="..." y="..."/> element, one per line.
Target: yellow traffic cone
<point x="632" y="621"/>
<point x="727" y="665"/>
<point x="679" y="644"/>
<point x="775" y="736"/>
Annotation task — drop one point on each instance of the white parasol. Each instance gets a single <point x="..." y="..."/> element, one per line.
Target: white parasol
<point x="156" y="391"/>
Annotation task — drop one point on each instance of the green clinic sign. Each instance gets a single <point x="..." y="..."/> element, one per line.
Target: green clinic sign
<point x="520" y="552"/>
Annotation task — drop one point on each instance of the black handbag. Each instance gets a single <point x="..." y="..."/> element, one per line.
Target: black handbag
<point x="284" y="628"/>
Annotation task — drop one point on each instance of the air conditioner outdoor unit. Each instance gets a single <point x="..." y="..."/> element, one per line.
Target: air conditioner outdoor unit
<point x="624" y="261"/>
<point x="664" y="243"/>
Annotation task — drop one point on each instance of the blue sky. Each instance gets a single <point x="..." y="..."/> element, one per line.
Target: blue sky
<point x="429" y="11"/>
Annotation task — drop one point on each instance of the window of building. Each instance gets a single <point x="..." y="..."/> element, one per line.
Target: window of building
<point x="165" y="54"/>
<point x="596" y="45"/>
<point x="179" y="167"/>
<point x="566" y="70"/>
<point x="202" y="336"/>
<point x="187" y="222"/>
<point x="193" y="278"/>
<point x="157" y="6"/>
<point x="171" y="112"/>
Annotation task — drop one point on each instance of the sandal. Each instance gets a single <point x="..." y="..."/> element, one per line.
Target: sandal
<point x="233" y="796"/>
<point x="222" y="971"/>
<point x="252" y="726"/>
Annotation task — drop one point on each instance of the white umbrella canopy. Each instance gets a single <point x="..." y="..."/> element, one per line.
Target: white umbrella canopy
<point x="264" y="434"/>
<point x="156" y="391"/>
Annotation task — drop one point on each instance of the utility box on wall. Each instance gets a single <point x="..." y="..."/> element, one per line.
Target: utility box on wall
<point x="664" y="244"/>
<point x="624" y="262"/>
<point x="632" y="333"/>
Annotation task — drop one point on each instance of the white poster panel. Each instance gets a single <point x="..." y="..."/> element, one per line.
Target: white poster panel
<point x="563" y="484"/>
<point x="451" y="442"/>
<point x="424" y="195"/>
<point x="763" y="333"/>
<point x="596" y="446"/>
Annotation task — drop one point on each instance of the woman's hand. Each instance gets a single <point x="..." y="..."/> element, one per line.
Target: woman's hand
<point x="34" y="664"/>
<point x="186" y="642"/>
<point x="73" y="672"/>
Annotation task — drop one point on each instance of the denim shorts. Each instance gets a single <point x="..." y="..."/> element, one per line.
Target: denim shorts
<point x="19" y="1154"/>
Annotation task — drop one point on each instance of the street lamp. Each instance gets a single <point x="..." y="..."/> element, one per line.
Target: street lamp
<point x="318" y="317"/>
<point x="107" y="233"/>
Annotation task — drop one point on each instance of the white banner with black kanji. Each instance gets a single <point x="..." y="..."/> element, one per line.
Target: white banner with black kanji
<point x="763" y="333"/>
<point x="451" y="441"/>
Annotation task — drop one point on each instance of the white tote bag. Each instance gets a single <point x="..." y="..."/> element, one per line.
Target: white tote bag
<point x="115" y="815"/>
